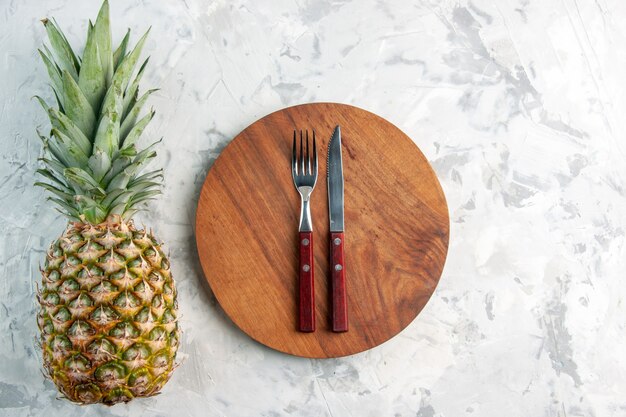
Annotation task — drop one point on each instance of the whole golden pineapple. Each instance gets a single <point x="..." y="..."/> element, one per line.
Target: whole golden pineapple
<point x="108" y="323"/>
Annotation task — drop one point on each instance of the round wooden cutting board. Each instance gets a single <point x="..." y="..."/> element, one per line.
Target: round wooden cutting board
<point x="396" y="233"/>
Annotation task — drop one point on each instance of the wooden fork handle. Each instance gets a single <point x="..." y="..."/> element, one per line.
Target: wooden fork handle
<point x="338" y="283"/>
<point x="306" y="321"/>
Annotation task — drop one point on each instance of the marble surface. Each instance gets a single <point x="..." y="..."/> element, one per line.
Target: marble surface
<point x="519" y="105"/>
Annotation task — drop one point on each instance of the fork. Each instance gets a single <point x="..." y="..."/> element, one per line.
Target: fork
<point x="304" y="173"/>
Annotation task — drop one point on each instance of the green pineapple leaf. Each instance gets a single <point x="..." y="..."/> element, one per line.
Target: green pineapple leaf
<point x="99" y="163"/>
<point x="130" y="119"/>
<point x="120" y="163"/>
<point x="92" y="80"/>
<point x="130" y="96"/>
<point x="120" y="52"/>
<point x="54" y="167"/>
<point x="152" y="175"/>
<point x="142" y="185"/>
<point x="65" y="145"/>
<point x="70" y="210"/>
<point x="142" y="197"/>
<point x="103" y="39"/>
<point x="50" y="175"/>
<point x="81" y="179"/>
<point x="121" y="180"/>
<point x="67" y="196"/>
<point x="66" y="58"/>
<point x="92" y="211"/>
<point x="92" y="164"/>
<point x="65" y="125"/>
<point x="57" y="151"/>
<point x="125" y="69"/>
<point x="108" y="133"/>
<point x="115" y="197"/>
<point x="76" y="105"/>
<point x="136" y="131"/>
<point x="53" y="72"/>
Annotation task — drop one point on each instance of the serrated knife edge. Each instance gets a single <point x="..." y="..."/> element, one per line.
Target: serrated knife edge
<point x="334" y="176"/>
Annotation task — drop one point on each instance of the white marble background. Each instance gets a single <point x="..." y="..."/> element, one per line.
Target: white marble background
<point x="520" y="107"/>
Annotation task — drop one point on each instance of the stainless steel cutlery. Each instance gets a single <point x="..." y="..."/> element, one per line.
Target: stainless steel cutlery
<point x="335" y="214"/>
<point x="304" y="173"/>
<point x="304" y="170"/>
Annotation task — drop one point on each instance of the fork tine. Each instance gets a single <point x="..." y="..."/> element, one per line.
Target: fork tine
<point x="308" y="158"/>
<point x="301" y="170"/>
<point x="314" y="156"/>
<point x="294" y="158"/>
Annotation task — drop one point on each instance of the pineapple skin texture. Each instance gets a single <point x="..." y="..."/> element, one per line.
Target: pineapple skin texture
<point x="108" y="316"/>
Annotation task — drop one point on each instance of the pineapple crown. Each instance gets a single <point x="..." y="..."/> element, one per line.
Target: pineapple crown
<point x="91" y="159"/>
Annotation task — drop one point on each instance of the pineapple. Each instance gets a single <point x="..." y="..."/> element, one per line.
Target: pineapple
<point x="108" y="316"/>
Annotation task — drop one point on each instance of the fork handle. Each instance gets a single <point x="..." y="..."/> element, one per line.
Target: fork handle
<point x="338" y="283"/>
<point x="307" y="287"/>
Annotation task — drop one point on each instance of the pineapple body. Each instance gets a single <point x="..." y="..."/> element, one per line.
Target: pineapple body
<point x="108" y="322"/>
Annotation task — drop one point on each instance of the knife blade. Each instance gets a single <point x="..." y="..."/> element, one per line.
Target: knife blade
<point x="336" y="216"/>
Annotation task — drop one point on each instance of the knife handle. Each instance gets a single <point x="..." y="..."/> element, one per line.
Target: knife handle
<point x="307" y="287"/>
<point x="338" y="283"/>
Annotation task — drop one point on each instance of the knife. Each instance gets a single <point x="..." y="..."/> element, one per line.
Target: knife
<point x="335" y="208"/>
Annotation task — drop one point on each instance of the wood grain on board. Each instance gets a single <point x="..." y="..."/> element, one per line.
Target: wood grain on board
<point x="396" y="231"/>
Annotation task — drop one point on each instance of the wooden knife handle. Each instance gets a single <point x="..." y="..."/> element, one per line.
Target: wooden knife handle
<point x="307" y="287"/>
<point x="338" y="283"/>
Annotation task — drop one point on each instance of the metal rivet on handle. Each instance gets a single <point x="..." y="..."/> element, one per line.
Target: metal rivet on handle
<point x="337" y="241"/>
<point x="338" y="267"/>
<point x="305" y="242"/>
<point x="306" y="268"/>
